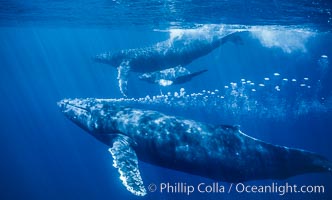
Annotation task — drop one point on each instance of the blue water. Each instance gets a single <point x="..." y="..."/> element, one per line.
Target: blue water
<point x="46" y="51"/>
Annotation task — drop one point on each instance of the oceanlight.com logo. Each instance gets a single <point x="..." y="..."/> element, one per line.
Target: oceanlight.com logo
<point x="219" y="188"/>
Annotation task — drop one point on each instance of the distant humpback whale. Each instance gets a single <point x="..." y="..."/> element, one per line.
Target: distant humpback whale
<point x="218" y="152"/>
<point x="163" y="55"/>
<point x="171" y="76"/>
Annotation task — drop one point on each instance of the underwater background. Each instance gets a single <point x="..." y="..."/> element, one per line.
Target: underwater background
<point x="276" y="85"/>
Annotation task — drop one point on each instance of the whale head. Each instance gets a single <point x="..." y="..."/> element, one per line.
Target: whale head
<point x="111" y="58"/>
<point x="94" y="117"/>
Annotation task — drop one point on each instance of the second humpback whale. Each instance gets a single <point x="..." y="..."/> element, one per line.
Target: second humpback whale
<point x="163" y="55"/>
<point x="171" y="76"/>
<point x="220" y="152"/>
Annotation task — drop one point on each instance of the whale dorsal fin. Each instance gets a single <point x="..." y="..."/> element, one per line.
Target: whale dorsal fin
<point x="123" y="71"/>
<point x="125" y="160"/>
<point x="233" y="37"/>
<point x="232" y="127"/>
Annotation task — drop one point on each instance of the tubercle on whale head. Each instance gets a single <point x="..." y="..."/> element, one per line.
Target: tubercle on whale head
<point x="89" y="115"/>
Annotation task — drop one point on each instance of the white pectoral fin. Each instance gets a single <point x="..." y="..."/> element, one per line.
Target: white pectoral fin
<point x="125" y="160"/>
<point x="123" y="71"/>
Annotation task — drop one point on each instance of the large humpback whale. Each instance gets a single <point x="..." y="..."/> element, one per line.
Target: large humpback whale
<point x="163" y="55"/>
<point x="218" y="152"/>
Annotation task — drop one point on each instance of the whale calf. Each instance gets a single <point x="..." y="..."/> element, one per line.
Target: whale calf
<point x="163" y="55"/>
<point x="171" y="76"/>
<point x="219" y="152"/>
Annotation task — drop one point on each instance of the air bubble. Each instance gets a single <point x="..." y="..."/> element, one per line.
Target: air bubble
<point x="182" y="92"/>
<point x="238" y="102"/>
<point x="234" y="85"/>
<point x="277" y="88"/>
<point x="323" y="63"/>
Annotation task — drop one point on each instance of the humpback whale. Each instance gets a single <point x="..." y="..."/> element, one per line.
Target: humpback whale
<point x="219" y="152"/>
<point x="163" y="55"/>
<point x="176" y="75"/>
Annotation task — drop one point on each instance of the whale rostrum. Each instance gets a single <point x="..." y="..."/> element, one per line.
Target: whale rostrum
<point x="219" y="152"/>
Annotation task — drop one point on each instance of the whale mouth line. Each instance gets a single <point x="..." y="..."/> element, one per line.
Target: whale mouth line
<point x="66" y="104"/>
<point x="77" y="107"/>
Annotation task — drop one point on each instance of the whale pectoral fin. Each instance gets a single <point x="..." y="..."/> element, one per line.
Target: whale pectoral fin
<point x="123" y="71"/>
<point x="125" y="160"/>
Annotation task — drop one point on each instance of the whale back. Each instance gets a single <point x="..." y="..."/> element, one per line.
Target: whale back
<point x="221" y="152"/>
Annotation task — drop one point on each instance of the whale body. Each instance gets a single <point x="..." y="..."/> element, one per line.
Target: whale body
<point x="171" y="76"/>
<point x="219" y="152"/>
<point x="163" y="55"/>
